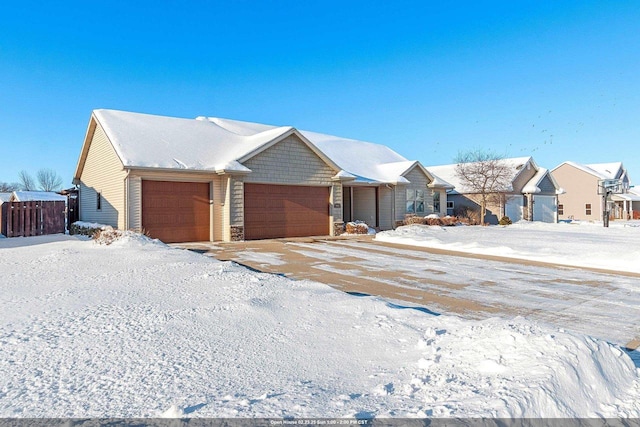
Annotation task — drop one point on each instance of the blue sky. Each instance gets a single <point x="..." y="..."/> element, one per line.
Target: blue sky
<point x="554" y="80"/>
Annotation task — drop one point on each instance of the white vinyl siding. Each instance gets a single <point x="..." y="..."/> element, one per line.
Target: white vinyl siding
<point x="103" y="173"/>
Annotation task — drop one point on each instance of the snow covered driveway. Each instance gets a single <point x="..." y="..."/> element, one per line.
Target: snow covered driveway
<point x="138" y="329"/>
<point x="606" y="305"/>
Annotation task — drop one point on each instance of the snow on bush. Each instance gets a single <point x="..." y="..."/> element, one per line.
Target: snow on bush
<point x="358" y="227"/>
<point x="110" y="235"/>
<point x="431" y="219"/>
<point x="505" y="220"/>
<point x="86" y="228"/>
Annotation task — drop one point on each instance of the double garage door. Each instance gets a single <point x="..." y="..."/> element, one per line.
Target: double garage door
<point x="180" y="211"/>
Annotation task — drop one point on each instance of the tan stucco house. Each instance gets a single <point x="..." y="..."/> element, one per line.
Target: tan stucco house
<point x="211" y="179"/>
<point x="532" y="194"/>
<point x="581" y="200"/>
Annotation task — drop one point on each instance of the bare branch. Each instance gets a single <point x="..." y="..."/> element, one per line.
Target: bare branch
<point x="26" y="181"/>
<point x="483" y="173"/>
<point x="49" y="180"/>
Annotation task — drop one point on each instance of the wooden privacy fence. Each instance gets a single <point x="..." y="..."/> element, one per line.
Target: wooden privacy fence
<point x="24" y="219"/>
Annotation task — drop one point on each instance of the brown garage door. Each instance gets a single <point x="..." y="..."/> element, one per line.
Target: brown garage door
<point x="272" y="211"/>
<point x="176" y="211"/>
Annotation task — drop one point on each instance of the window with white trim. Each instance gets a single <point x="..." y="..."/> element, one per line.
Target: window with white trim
<point x="415" y="201"/>
<point x="436" y="201"/>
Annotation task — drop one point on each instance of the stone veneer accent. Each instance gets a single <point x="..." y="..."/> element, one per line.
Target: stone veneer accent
<point x="338" y="228"/>
<point x="237" y="233"/>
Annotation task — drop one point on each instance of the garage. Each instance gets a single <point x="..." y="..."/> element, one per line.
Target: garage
<point x="176" y="211"/>
<point x="513" y="208"/>
<point x="544" y="208"/>
<point x="274" y="211"/>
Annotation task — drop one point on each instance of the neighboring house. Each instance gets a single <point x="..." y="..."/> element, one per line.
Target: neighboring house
<point x="210" y="179"/>
<point x="633" y="198"/>
<point x="581" y="200"/>
<point x="531" y="196"/>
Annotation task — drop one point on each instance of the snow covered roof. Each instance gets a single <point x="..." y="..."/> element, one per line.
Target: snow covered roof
<point x="4" y="197"/>
<point x="222" y="145"/>
<point x="36" y="196"/>
<point x="612" y="170"/>
<point x="632" y="195"/>
<point x="608" y="170"/>
<point x="145" y="140"/>
<point x="448" y="172"/>
<point x="366" y="161"/>
<point x="532" y="186"/>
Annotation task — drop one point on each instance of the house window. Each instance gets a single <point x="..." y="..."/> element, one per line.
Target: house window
<point x="98" y="201"/>
<point x="415" y="201"/>
<point x="449" y="204"/>
<point x="587" y="209"/>
<point x="560" y="209"/>
<point x="436" y="201"/>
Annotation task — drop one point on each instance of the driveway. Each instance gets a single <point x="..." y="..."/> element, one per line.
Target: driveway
<point x="597" y="303"/>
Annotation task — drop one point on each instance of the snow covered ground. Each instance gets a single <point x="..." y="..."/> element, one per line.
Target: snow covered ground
<point x="582" y="244"/>
<point x="139" y="329"/>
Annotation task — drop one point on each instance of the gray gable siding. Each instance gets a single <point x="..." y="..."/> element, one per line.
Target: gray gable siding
<point x="546" y="186"/>
<point x="289" y="161"/>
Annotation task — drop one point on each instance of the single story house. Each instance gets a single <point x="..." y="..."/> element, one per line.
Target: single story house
<point x="532" y="194"/>
<point x="581" y="200"/>
<point x="212" y="179"/>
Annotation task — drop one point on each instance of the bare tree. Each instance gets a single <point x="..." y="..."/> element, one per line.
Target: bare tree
<point x="7" y="187"/>
<point x="49" y="180"/>
<point x="484" y="174"/>
<point x="26" y="181"/>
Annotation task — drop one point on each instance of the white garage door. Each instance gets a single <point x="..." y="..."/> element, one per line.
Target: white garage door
<point x="544" y="208"/>
<point x="513" y="208"/>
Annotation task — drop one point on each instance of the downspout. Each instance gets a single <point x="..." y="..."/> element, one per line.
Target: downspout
<point x="351" y="203"/>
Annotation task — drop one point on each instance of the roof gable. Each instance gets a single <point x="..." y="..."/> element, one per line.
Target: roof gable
<point x="613" y="170"/>
<point x="366" y="161"/>
<point x="151" y="141"/>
